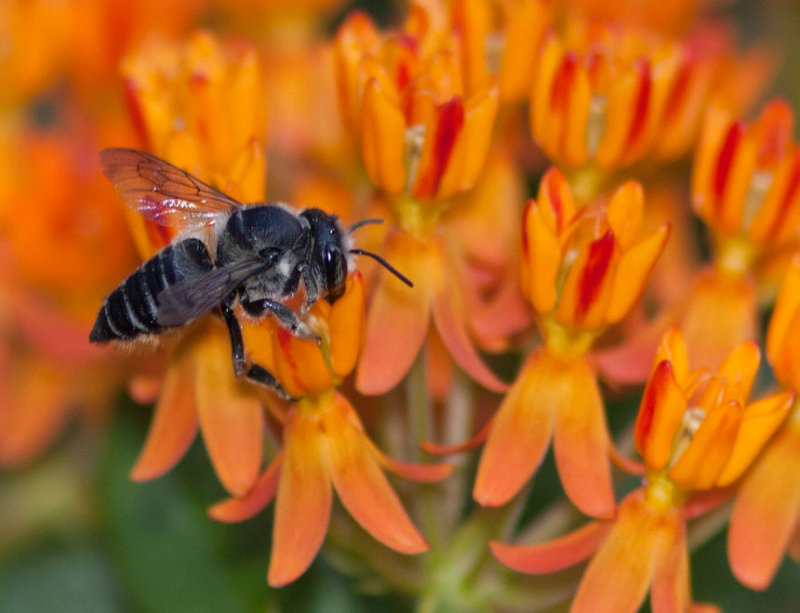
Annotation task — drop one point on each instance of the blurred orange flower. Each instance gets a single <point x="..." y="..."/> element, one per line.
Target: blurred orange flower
<point x="57" y="214"/>
<point x="745" y="188"/>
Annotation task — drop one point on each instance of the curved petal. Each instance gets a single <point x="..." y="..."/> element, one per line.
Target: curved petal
<point x="174" y="424"/>
<point x="398" y="317"/>
<point x="617" y="578"/>
<point x="581" y="442"/>
<point x="766" y="512"/>
<point x="450" y="316"/>
<point x="760" y="421"/>
<point x="555" y="555"/>
<point x="253" y="502"/>
<point x="231" y="418"/>
<point x="469" y="445"/>
<point x="421" y="473"/>
<point x="303" y="505"/>
<point x="362" y="486"/>
<point x="520" y="431"/>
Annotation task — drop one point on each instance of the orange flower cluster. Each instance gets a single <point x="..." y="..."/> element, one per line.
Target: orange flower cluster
<point x="466" y="307"/>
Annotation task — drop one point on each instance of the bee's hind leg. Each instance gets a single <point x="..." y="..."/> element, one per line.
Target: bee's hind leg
<point x="254" y="372"/>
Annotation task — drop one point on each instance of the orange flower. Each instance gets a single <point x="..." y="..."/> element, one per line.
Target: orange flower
<point x="583" y="269"/>
<point x="598" y="96"/>
<point x="608" y="96"/>
<point x="323" y="444"/>
<point x="745" y="188"/>
<point x="424" y="138"/>
<point x="422" y="132"/>
<point x="695" y="434"/>
<point x="767" y="508"/>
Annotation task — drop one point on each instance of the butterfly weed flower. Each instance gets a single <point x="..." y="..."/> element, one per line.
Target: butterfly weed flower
<point x="745" y="189"/>
<point x="767" y="508"/>
<point x="697" y="434"/>
<point x="424" y="139"/>
<point x="324" y="447"/>
<point x="583" y="269"/>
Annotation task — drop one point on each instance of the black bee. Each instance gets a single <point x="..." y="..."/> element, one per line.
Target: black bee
<point x="261" y="252"/>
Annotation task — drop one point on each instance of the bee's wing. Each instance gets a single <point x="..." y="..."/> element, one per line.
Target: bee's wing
<point x="161" y="192"/>
<point x="196" y="295"/>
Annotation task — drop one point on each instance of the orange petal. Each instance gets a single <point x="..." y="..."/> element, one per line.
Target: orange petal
<point x="174" y="424"/>
<point x="303" y="505"/>
<point x="660" y="415"/>
<point x="346" y="325"/>
<point x="469" y="445"/>
<point x="670" y="591"/>
<point x="625" y="211"/>
<point x="398" y="317"/>
<point x="587" y="289"/>
<point x="383" y="138"/>
<point x="581" y="442"/>
<point x="231" y="418"/>
<point x="617" y="578"/>
<point x="555" y="555"/>
<point x="542" y="258"/>
<point x="766" y="511"/>
<point x="632" y="274"/>
<point x="362" y="486"/>
<point x="759" y="422"/>
<point x="254" y="501"/>
<point x="720" y="314"/>
<point x="450" y="317"/>
<point x="739" y="370"/>
<point x="704" y="459"/>
<point x="520" y="430"/>
<point x="421" y="473"/>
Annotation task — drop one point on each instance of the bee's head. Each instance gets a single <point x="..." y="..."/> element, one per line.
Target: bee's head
<point x="329" y="259"/>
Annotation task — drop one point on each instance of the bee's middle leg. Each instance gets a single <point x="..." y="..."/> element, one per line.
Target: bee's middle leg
<point x="254" y="372"/>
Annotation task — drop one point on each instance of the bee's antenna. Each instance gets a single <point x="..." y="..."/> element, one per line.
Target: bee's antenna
<point x="383" y="262"/>
<point x="363" y="222"/>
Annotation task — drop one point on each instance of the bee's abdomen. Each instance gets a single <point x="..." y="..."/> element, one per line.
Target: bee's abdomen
<point x="130" y="310"/>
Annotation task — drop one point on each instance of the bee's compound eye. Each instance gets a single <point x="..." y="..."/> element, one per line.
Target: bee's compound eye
<point x="335" y="272"/>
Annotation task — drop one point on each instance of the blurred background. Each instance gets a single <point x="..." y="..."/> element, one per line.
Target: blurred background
<point x="76" y="534"/>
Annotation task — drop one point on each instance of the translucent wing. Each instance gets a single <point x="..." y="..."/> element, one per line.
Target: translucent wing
<point x="161" y="192"/>
<point x="196" y="295"/>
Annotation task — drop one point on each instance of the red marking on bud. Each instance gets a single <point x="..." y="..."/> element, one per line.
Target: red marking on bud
<point x="680" y="88"/>
<point x="642" y="105"/>
<point x="725" y="160"/>
<point x="594" y="272"/>
<point x="450" y="120"/>
<point x="559" y="96"/>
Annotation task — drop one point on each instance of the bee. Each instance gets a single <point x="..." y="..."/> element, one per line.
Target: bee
<point x="261" y="252"/>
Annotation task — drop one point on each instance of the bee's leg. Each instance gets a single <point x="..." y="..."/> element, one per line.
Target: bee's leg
<point x="237" y="342"/>
<point x="286" y="316"/>
<point x="254" y="372"/>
